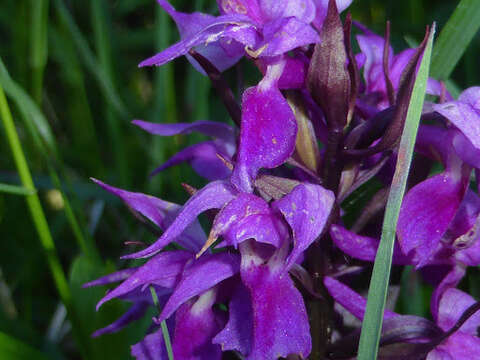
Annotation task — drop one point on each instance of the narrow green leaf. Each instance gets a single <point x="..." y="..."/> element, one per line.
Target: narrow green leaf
<point x="15" y="189"/>
<point x="454" y="38"/>
<point x="32" y="114"/>
<point x="40" y="221"/>
<point x="163" y="324"/>
<point x="372" y="323"/>
<point x="14" y="349"/>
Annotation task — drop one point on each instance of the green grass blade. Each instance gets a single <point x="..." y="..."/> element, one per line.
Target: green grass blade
<point x="14" y="349"/>
<point x="15" y="190"/>
<point x="90" y="60"/>
<point x="454" y="38"/>
<point x="372" y="323"/>
<point x="39" y="129"/>
<point x="32" y="114"/>
<point x="166" y="335"/>
<point x="39" y="220"/>
<point x="38" y="45"/>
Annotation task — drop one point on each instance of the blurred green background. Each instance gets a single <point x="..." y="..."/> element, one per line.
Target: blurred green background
<point x="69" y="69"/>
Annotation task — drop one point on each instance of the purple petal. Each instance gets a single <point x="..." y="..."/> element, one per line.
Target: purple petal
<point x="464" y="114"/>
<point x="220" y="53"/>
<point x="362" y="247"/>
<point x="161" y="213"/>
<point x="163" y="270"/>
<point x="152" y="347"/>
<point x="268" y="131"/>
<point x="322" y="6"/>
<point x="306" y="210"/>
<point x="349" y="299"/>
<point x="452" y="306"/>
<point x="203" y="158"/>
<point x="212" y="196"/>
<point x="294" y="73"/>
<point x="280" y="323"/>
<point x="426" y="213"/>
<point x="136" y="311"/>
<point x="303" y="10"/>
<point x="451" y="280"/>
<point x="237" y="333"/>
<point x="248" y="216"/>
<point x="459" y="346"/>
<point x="195" y="326"/>
<point x="200" y="276"/>
<point x="465" y="149"/>
<point x="111" y="278"/>
<point x="209" y="128"/>
<point x="372" y="46"/>
<point x="285" y="34"/>
<point x="236" y="27"/>
<point x="250" y="8"/>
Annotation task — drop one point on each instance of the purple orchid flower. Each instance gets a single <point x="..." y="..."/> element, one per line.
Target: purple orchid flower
<point x="251" y="25"/>
<point x="371" y="57"/>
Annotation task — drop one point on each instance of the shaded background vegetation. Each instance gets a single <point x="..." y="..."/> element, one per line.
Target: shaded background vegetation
<point x="77" y="63"/>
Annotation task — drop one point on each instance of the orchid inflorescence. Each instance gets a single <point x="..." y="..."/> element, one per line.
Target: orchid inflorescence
<point x="275" y="275"/>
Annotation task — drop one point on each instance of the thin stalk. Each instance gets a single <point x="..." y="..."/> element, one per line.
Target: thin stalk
<point x="163" y="325"/>
<point x="15" y="189"/>
<point x="40" y="222"/>
<point x="38" y="45"/>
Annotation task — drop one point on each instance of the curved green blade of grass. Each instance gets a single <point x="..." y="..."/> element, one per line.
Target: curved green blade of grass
<point x="40" y="222"/>
<point x="43" y="139"/>
<point x="15" y="190"/>
<point x="454" y="38"/>
<point x="32" y="114"/>
<point x="163" y="324"/>
<point x="377" y="293"/>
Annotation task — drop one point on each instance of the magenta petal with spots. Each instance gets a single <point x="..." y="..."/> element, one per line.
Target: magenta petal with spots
<point x="203" y="158"/>
<point x="212" y="196"/>
<point x="212" y="29"/>
<point x="303" y="10"/>
<point x="199" y="276"/>
<point x="363" y="247"/>
<point x="161" y="213"/>
<point x="268" y="132"/>
<point x="285" y="34"/>
<point x="349" y="299"/>
<point x="195" y="326"/>
<point x="306" y="209"/>
<point x="426" y="213"/>
<point x="280" y="321"/>
<point x="249" y="216"/>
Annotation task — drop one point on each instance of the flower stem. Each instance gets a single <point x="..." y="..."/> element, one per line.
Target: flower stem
<point x="39" y="219"/>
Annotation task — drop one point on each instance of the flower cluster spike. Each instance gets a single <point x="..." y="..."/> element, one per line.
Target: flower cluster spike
<point x="279" y="261"/>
